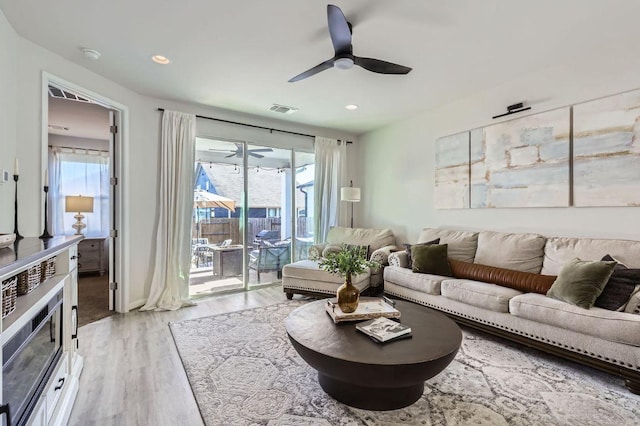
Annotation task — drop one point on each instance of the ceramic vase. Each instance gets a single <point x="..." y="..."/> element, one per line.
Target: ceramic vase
<point x="348" y="296"/>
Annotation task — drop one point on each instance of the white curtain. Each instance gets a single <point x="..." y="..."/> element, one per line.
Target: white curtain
<point x="170" y="283"/>
<point x="330" y="173"/>
<point x="79" y="172"/>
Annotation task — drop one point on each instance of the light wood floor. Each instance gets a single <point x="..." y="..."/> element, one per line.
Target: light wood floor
<point x="132" y="372"/>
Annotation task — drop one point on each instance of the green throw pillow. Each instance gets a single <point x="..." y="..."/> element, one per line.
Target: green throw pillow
<point x="580" y="282"/>
<point x="430" y="259"/>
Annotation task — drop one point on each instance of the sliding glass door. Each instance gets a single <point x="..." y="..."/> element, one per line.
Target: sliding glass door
<point x="303" y="198"/>
<point x="234" y="247"/>
<point x="217" y="249"/>
<point x="270" y="209"/>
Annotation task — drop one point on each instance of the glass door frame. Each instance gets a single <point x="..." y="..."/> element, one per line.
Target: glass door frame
<point x="244" y="204"/>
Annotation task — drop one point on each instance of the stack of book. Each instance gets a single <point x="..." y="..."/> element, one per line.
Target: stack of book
<point x="384" y="329"/>
<point x="368" y="308"/>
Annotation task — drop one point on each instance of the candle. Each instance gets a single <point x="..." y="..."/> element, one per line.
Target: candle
<point x="46" y="177"/>
<point x="15" y="167"/>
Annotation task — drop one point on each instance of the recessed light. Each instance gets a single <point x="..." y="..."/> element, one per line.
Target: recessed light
<point x="351" y="106"/>
<point x="159" y="59"/>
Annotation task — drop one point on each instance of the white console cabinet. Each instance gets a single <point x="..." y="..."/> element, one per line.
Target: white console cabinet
<point x="49" y="313"/>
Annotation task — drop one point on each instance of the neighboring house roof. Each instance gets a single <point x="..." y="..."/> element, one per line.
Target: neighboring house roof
<point x="265" y="186"/>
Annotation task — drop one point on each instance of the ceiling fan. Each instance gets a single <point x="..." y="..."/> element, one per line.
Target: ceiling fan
<point x="239" y="151"/>
<point x="340" y="31"/>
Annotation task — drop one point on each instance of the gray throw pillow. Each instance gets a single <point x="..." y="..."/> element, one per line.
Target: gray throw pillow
<point x="407" y="248"/>
<point x="621" y="285"/>
<point x="431" y="259"/>
<point x="331" y="248"/>
<point x="580" y="282"/>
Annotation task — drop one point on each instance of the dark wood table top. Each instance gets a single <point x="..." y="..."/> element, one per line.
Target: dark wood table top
<point x="434" y="336"/>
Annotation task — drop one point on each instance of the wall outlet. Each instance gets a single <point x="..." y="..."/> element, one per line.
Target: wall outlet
<point x="4" y="177"/>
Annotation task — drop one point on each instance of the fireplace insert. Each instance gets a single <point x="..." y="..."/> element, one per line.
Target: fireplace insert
<point x="29" y="359"/>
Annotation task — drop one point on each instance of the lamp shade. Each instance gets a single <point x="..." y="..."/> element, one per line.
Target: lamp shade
<point x="78" y="203"/>
<point x="349" y="193"/>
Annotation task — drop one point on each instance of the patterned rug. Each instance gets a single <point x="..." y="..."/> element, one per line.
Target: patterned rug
<point x="244" y="371"/>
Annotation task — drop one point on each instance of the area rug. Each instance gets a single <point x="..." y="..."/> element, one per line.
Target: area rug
<point x="244" y="371"/>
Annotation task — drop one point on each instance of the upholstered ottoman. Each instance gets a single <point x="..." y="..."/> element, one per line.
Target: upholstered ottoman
<point x="306" y="277"/>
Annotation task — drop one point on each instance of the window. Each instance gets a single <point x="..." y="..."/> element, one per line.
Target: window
<point x="79" y="172"/>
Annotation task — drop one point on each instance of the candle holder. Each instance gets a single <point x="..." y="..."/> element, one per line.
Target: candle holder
<point x="45" y="234"/>
<point x="15" y="217"/>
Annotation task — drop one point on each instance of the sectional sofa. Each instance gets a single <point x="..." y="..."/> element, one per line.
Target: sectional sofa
<point x="507" y="297"/>
<point x="307" y="278"/>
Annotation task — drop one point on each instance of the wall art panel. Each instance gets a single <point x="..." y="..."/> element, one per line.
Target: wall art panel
<point x="452" y="172"/>
<point x="522" y="162"/>
<point x="606" y="151"/>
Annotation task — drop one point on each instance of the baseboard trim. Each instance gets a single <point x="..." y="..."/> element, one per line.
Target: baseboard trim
<point x="136" y="304"/>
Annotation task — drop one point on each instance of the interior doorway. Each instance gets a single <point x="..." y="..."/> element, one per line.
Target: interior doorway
<point x="82" y="155"/>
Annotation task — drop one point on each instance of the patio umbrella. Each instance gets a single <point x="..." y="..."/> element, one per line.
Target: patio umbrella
<point x="204" y="199"/>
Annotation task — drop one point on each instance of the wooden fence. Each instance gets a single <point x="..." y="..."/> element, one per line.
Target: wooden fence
<point x="218" y="229"/>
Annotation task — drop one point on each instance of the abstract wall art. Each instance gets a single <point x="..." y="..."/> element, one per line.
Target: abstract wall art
<point x="606" y="151"/>
<point x="452" y="172"/>
<point x="522" y="162"/>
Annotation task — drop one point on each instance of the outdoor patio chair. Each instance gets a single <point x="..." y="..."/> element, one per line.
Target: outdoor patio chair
<point x="203" y="255"/>
<point x="267" y="259"/>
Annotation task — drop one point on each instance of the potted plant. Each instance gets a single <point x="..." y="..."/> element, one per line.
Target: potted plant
<point x="346" y="262"/>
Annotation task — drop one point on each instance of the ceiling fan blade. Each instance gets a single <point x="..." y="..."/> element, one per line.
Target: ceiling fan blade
<point x="230" y="155"/>
<point x="339" y="30"/>
<point x="381" y="67"/>
<point x="261" y="150"/>
<point x="254" y="155"/>
<point x="313" y="71"/>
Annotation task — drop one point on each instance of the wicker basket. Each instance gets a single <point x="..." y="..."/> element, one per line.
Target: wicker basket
<point x="47" y="269"/>
<point x="9" y="295"/>
<point x="30" y="279"/>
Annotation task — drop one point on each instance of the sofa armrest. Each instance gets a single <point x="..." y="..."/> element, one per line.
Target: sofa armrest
<point x="315" y="251"/>
<point x="399" y="258"/>
<point x="382" y="254"/>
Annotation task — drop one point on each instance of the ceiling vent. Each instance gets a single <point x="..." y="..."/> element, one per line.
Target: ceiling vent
<point x="54" y="92"/>
<point x="282" y="109"/>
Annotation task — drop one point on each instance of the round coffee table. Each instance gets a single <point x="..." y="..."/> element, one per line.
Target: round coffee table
<point x="361" y="373"/>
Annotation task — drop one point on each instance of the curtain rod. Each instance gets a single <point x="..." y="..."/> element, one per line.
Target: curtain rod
<point x="76" y="148"/>
<point x="254" y="126"/>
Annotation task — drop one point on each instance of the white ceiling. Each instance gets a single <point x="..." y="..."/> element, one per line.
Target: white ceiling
<point x="78" y="119"/>
<point x="239" y="55"/>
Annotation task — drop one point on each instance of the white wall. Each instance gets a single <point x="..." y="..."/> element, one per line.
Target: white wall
<point x="397" y="167"/>
<point x="8" y="40"/>
<point x="140" y="152"/>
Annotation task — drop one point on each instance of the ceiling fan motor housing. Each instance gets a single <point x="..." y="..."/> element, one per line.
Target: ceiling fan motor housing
<point x="344" y="63"/>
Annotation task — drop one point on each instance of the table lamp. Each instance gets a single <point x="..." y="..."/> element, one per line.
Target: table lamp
<point x="351" y="195"/>
<point x="79" y="204"/>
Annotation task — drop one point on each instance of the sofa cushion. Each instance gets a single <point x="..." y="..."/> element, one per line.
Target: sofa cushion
<point x="399" y="258"/>
<point x="580" y="282"/>
<point x="621" y="285"/>
<point x="374" y="238"/>
<point x="633" y="306"/>
<point x="462" y="244"/>
<point x="559" y="250"/>
<point x="609" y="325"/>
<point x="407" y="248"/>
<point x="519" y="252"/>
<point x="404" y="277"/>
<point x="430" y="259"/>
<point x="331" y="248"/>
<point x="310" y="270"/>
<point x="488" y="296"/>
<point x="521" y="281"/>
